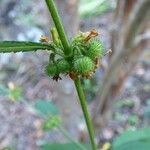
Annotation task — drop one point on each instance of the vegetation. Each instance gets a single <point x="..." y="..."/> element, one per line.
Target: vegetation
<point x="78" y="59"/>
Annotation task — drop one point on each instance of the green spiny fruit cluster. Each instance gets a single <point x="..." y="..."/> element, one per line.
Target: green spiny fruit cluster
<point x="86" y="51"/>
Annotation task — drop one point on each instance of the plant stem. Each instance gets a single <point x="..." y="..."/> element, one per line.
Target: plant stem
<point x="54" y="13"/>
<point x="85" y="111"/>
<point x="67" y="51"/>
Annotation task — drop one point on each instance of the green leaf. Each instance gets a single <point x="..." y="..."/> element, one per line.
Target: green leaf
<point x="58" y="146"/>
<point x="125" y="103"/>
<point x="137" y="145"/>
<point x="16" y="46"/>
<point x="147" y="112"/>
<point x="129" y="137"/>
<point x="133" y="119"/>
<point x="46" y="108"/>
<point x="51" y="122"/>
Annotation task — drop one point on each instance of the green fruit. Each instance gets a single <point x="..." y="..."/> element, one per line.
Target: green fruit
<point x="95" y="49"/>
<point x="63" y="66"/>
<point x="83" y="65"/>
<point x="51" y="69"/>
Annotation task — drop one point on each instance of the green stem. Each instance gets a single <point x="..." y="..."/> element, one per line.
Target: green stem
<point x="54" y="13"/>
<point x="67" y="51"/>
<point x="85" y="111"/>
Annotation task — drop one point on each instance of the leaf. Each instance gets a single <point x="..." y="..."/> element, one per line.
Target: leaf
<point x="125" y="103"/>
<point x="51" y="122"/>
<point x="133" y="119"/>
<point x="129" y="137"/>
<point x="137" y="145"/>
<point x="16" y="46"/>
<point x="46" y="108"/>
<point x="58" y="146"/>
<point x="147" y="112"/>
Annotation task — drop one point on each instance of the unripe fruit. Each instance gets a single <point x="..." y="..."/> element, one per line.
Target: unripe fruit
<point x="63" y="66"/>
<point x="51" y="69"/>
<point x="83" y="65"/>
<point x="95" y="49"/>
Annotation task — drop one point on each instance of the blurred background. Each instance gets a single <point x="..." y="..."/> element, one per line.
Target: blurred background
<point x="35" y="110"/>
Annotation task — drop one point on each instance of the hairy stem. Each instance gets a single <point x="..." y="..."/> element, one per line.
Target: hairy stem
<point x="54" y="13"/>
<point x="85" y="111"/>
